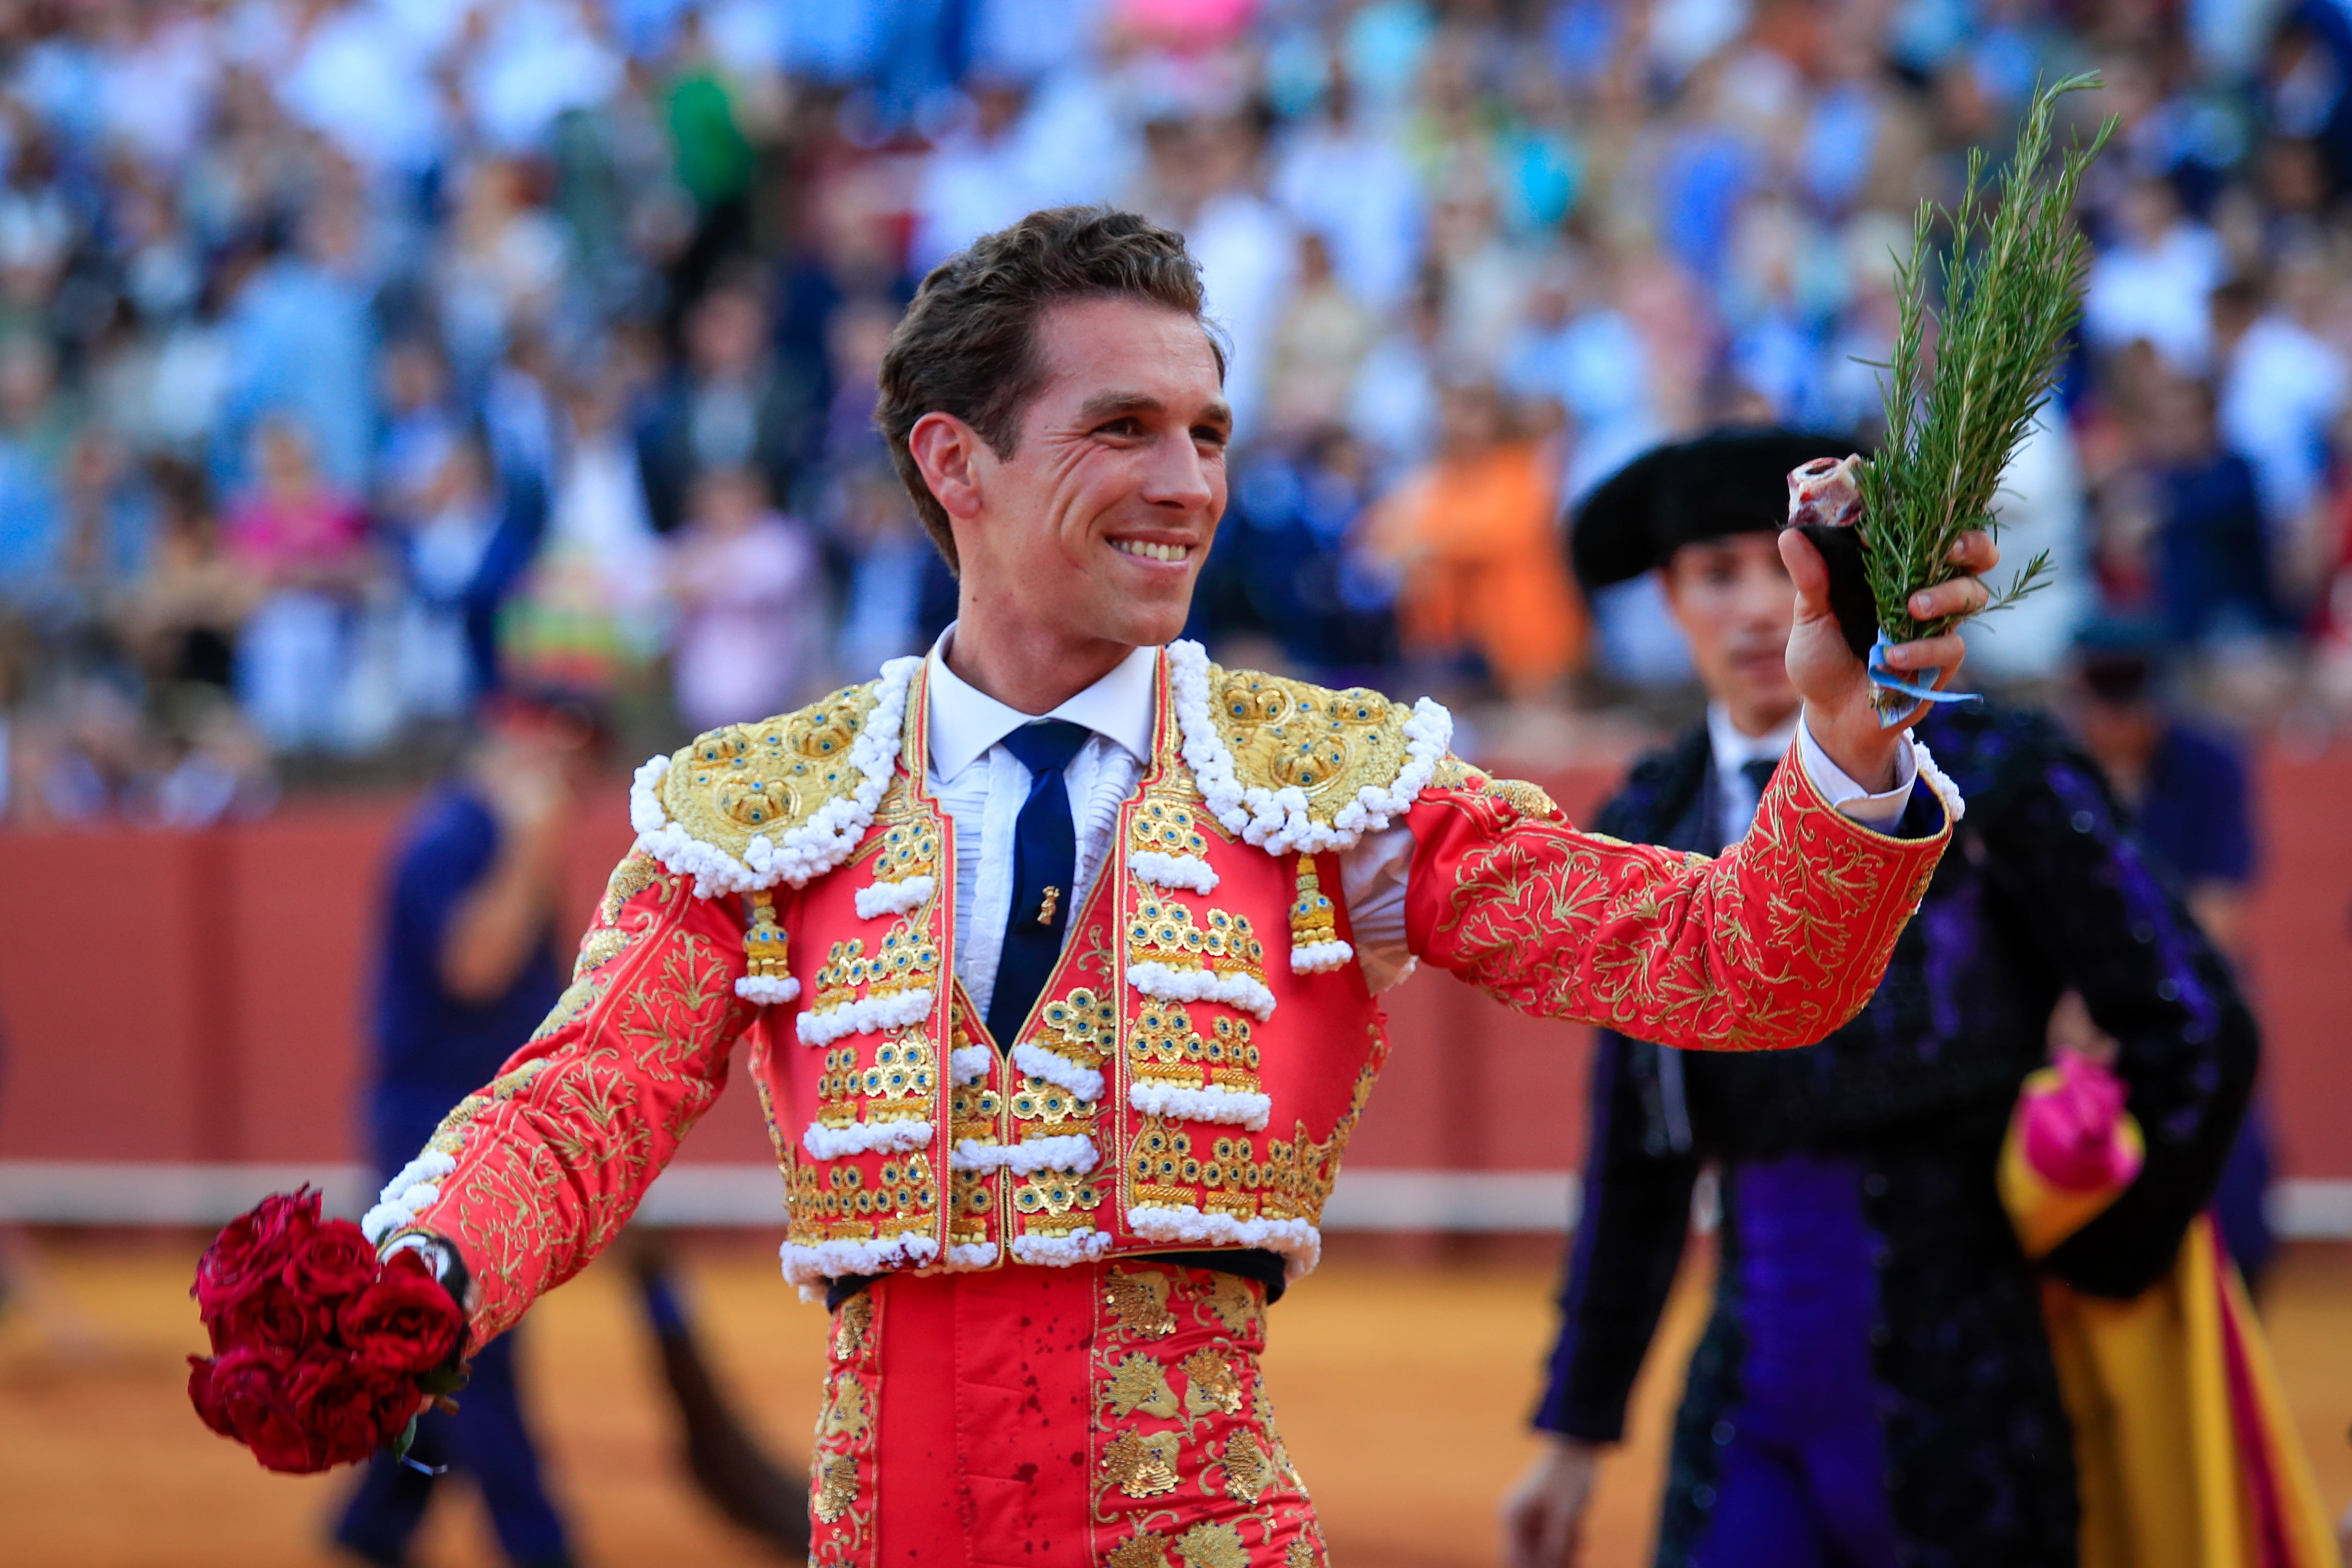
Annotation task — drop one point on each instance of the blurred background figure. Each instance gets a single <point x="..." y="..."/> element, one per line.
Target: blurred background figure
<point x="2192" y="806"/>
<point x="467" y="968"/>
<point x="749" y="589"/>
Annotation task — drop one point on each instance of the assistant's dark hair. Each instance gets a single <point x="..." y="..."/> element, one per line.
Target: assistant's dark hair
<point x="968" y="344"/>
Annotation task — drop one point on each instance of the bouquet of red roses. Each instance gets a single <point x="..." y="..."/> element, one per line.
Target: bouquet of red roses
<point x="322" y="1352"/>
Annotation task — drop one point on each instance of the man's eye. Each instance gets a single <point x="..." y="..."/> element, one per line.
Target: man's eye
<point x="1210" y="435"/>
<point x="1127" y="425"/>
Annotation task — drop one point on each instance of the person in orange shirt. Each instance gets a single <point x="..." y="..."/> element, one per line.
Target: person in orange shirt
<point x="1473" y="537"/>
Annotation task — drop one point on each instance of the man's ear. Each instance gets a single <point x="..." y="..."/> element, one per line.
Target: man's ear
<point x="947" y="451"/>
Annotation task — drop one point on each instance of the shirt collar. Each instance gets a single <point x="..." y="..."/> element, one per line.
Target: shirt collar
<point x="965" y="722"/>
<point x="1734" y="751"/>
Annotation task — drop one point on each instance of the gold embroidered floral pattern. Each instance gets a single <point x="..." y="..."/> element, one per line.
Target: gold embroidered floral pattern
<point x="739" y="783"/>
<point x="1199" y="1481"/>
<point x="1289" y="734"/>
<point x="841" y="1465"/>
<point x="1210" y="1384"/>
<point x="1249" y="1472"/>
<point x="1774" y="944"/>
<point x="909" y="849"/>
<point x="1137" y="1299"/>
<point x="1141" y="1384"/>
<point x="1141" y="1466"/>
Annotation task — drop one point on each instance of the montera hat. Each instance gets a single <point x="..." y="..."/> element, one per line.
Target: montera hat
<point x="1725" y="482"/>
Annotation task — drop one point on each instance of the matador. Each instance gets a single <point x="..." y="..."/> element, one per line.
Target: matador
<point x="1057" y="953"/>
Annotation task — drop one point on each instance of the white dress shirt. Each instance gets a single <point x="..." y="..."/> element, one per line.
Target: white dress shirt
<point x="981" y="785"/>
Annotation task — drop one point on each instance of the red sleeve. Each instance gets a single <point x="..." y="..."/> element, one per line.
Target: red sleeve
<point x="553" y="1156"/>
<point x="1774" y="944"/>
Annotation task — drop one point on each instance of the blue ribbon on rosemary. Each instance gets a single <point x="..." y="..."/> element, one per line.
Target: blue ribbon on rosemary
<point x="1887" y="680"/>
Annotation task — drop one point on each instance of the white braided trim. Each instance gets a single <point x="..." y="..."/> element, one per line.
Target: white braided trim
<point x="878" y="898"/>
<point x="1071" y="1152"/>
<point x="1038" y="1062"/>
<point x="771" y="989"/>
<point x="1156" y="979"/>
<point x="1937" y="779"/>
<point x="1233" y="1107"/>
<point x="408" y="1194"/>
<point x="1276" y="820"/>
<point x="814" y="848"/>
<point x="971" y="1255"/>
<point x="1165" y="870"/>
<point x="1301" y="1244"/>
<point x="864" y="1016"/>
<point x="969" y="1063"/>
<point x="1062" y="1251"/>
<point x="806" y="1265"/>
<point x="824" y="1142"/>
<point x="1317" y="957"/>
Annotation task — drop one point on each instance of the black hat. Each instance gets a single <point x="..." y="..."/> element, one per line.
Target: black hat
<point x="1728" y="481"/>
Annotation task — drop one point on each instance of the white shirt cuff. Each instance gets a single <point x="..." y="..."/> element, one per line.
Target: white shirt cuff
<point x="1881" y="811"/>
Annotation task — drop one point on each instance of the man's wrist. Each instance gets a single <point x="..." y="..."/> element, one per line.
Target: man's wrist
<point x="1867" y="754"/>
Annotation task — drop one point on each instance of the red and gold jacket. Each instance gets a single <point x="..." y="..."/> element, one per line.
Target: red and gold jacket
<point x="1193" y="1066"/>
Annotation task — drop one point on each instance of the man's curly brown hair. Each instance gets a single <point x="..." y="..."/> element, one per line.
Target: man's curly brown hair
<point x="968" y="344"/>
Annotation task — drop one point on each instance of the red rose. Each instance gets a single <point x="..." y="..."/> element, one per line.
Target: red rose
<point x="405" y="1322"/>
<point x="349" y="1412"/>
<point x="269" y="1315"/>
<point x="243" y="1393"/>
<point x="206" y="1399"/>
<point x="254" y="1246"/>
<point x="335" y="1260"/>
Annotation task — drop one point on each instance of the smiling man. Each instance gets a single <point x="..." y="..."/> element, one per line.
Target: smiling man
<point x="1059" y="951"/>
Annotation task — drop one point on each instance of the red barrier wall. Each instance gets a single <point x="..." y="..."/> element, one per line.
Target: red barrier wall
<point x="177" y="998"/>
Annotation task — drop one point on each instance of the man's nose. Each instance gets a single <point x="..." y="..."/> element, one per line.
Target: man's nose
<point x="1178" y="475"/>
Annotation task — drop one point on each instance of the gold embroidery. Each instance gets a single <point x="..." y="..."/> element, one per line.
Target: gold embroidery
<point x="1141" y="1384"/>
<point x="1235" y="1305"/>
<point x="850" y="1327"/>
<point x="1212" y="1546"/>
<point x="1249" y="1474"/>
<point x="1139" y="1300"/>
<point x="1288" y="734"/>
<point x="1148" y="1549"/>
<point x="450" y="1136"/>
<point x="1301" y="1554"/>
<point x="746" y="781"/>
<point x="1211" y="1384"/>
<point x="847" y="1415"/>
<point x="1141" y="1464"/>
<point x="1162" y="932"/>
<point x="836" y="1488"/>
<point x="1167" y="828"/>
<point x="909" y="849"/>
<point x="1526" y="799"/>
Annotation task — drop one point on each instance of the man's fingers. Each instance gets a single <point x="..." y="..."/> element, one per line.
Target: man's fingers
<point x="1928" y="653"/>
<point x="1808" y="572"/>
<point x="1961" y="596"/>
<point x="1976" y="552"/>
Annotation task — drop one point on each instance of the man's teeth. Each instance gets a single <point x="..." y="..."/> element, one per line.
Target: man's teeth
<point x="1151" y="552"/>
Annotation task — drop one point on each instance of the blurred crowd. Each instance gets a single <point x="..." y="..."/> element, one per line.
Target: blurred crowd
<point x="359" y="356"/>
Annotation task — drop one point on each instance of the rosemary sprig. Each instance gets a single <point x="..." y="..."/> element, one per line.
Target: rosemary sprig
<point x="2013" y="288"/>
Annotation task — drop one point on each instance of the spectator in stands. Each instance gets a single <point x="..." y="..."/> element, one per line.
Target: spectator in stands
<point x="749" y="588"/>
<point x="1473" y="539"/>
<point x="728" y="406"/>
<point x="306" y="542"/>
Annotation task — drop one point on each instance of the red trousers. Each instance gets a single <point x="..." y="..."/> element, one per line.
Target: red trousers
<point x="1109" y="1415"/>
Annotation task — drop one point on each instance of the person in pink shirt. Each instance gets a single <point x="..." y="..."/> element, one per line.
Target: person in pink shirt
<point x="749" y="589"/>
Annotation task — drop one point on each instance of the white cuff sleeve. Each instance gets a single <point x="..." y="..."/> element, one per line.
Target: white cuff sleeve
<point x="1881" y="811"/>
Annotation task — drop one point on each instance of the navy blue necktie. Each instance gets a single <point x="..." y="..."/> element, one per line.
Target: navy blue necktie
<point x="1045" y="864"/>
